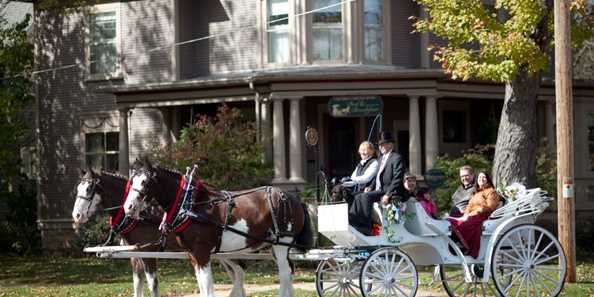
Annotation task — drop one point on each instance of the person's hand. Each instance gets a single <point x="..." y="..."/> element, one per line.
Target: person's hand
<point x="385" y="199"/>
<point x="367" y="189"/>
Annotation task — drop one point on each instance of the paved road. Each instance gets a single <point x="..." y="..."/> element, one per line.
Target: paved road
<point x="222" y="290"/>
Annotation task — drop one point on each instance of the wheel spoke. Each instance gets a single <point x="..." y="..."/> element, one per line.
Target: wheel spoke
<point x="400" y="290"/>
<point x="544" y="250"/>
<point x="543" y="283"/>
<point x="537" y="245"/>
<point x="510" y="256"/>
<point x="547" y="259"/>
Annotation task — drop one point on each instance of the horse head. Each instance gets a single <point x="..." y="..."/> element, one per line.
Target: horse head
<point x="142" y="179"/>
<point x="87" y="197"/>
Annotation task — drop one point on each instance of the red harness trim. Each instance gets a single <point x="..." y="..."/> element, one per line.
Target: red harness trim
<point x="173" y="208"/>
<point x="172" y="213"/>
<point x="115" y="222"/>
<point x="183" y="226"/>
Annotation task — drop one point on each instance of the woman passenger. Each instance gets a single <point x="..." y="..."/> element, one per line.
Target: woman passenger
<point x="365" y="171"/>
<point x="468" y="228"/>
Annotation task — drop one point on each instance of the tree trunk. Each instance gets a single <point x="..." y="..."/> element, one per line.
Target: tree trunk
<point x="515" y="152"/>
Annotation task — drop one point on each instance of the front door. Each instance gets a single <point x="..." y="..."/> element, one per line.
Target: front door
<point x="342" y="146"/>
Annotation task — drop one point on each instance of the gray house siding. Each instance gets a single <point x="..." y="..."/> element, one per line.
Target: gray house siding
<point x="233" y="47"/>
<point x="405" y="46"/>
<point x="66" y="99"/>
<point x="148" y="25"/>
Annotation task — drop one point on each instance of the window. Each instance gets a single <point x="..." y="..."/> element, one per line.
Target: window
<point x="104" y="41"/>
<point x="591" y="140"/>
<point x="327" y="30"/>
<point x="278" y="31"/>
<point x="102" y="150"/>
<point x="373" y="30"/>
<point x="454" y="126"/>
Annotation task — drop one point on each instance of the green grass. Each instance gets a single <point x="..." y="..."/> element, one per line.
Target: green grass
<point x="92" y="277"/>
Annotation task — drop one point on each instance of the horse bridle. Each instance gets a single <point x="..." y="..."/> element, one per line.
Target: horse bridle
<point x="142" y="192"/>
<point x="94" y="184"/>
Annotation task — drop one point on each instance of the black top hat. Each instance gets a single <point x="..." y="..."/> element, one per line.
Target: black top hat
<point x="386" y="137"/>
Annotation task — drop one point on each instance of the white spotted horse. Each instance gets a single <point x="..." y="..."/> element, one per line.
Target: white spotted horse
<point x="207" y="221"/>
<point x="106" y="191"/>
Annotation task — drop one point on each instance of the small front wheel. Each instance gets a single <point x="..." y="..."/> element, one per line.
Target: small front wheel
<point x="338" y="278"/>
<point x="528" y="261"/>
<point x="388" y="272"/>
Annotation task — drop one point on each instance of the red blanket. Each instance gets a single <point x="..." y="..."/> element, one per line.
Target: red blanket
<point x="469" y="232"/>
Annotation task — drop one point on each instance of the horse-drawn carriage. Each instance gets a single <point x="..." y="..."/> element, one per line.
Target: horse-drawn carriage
<point x="517" y="258"/>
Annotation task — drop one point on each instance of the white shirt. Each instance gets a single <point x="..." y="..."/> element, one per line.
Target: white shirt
<point x="367" y="175"/>
<point x="378" y="183"/>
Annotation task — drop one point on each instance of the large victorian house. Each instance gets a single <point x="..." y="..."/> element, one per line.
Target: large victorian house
<point x="128" y="75"/>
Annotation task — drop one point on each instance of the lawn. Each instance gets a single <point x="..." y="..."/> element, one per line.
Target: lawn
<point x="92" y="277"/>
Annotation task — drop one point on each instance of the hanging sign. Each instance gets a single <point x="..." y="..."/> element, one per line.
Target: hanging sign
<point x="568" y="191"/>
<point x="355" y="106"/>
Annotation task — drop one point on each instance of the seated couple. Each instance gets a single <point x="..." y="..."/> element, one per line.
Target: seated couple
<point x="467" y="220"/>
<point x="379" y="185"/>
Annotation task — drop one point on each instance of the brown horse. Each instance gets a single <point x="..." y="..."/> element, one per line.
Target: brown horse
<point x="212" y="221"/>
<point x="107" y="190"/>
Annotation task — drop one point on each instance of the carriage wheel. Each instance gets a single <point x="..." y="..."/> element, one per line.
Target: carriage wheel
<point x="388" y="272"/>
<point x="528" y="261"/>
<point x="338" y="278"/>
<point x="452" y="278"/>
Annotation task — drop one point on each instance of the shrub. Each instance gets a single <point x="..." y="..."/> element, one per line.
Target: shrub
<point x="225" y="149"/>
<point x="18" y="229"/>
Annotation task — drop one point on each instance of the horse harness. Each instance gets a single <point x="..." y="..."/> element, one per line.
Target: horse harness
<point x="184" y="214"/>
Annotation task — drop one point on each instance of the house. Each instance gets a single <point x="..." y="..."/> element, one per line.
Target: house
<point x="127" y="76"/>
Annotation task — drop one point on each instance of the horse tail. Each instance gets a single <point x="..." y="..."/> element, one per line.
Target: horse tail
<point x="305" y="237"/>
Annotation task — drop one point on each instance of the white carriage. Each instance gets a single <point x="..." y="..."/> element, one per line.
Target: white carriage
<point x="516" y="258"/>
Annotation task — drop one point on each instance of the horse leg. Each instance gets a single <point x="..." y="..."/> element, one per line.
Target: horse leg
<point x="150" y="271"/>
<point x="137" y="276"/>
<point x="281" y="253"/>
<point x="237" y="277"/>
<point x="205" y="280"/>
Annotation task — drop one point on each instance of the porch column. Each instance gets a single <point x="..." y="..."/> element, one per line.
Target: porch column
<point x="266" y="129"/>
<point x="124" y="157"/>
<point x="296" y="142"/>
<point x="414" y="141"/>
<point x="278" y="134"/>
<point x="424" y="40"/>
<point x="550" y="120"/>
<point x="431" y="132"/>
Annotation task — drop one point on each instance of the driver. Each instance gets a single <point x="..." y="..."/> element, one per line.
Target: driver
<point x="365" y="171"/>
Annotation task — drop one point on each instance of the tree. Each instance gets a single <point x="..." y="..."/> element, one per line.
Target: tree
<point x="225" y="149"/>
<point x="16" y="61"/>
<point x="510" y="43"/>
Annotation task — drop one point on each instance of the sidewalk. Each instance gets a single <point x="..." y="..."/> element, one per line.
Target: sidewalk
<point x="222" y="290"/>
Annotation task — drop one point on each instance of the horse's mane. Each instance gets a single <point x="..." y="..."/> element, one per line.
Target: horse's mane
<point x="114" y="174"/>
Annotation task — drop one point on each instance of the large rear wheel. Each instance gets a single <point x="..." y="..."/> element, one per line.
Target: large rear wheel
<point x="388" y="272"/>
<point x="528" y="261"/>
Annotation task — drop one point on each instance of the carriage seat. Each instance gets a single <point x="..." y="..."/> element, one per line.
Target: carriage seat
<point x="418" y="220"/>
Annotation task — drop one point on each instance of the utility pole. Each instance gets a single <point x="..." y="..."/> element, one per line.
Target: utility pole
<point x="565" y="168"/>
